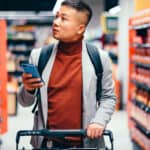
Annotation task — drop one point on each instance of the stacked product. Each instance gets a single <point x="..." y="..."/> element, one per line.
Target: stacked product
<point x="139" y="79"/>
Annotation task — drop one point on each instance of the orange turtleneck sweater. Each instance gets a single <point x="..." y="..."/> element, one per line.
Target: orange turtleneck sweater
<point x="65" y="88"/>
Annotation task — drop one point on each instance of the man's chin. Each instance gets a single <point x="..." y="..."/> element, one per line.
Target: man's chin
<point x="56" y="37"/>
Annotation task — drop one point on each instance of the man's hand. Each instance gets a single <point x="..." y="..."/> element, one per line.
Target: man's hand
<point x="30" y="84"/>
<point x="94" y="130"/>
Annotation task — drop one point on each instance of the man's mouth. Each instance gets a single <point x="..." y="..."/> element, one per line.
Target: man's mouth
<point x="55" y="30"/>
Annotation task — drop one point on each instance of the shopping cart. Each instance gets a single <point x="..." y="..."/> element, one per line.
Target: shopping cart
<point x="60" y="134"/>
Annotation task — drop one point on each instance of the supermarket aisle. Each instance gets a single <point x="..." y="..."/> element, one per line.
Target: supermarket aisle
<point x="24" y="121"/>
<point x="119" y="127"/>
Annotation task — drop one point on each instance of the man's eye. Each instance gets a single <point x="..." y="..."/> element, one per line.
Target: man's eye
<point x="63" y="18"/>
<point x="56" y="16"/>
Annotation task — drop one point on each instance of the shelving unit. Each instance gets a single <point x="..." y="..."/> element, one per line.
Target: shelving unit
<point x="20" y="40"/>
<point x="139" y="79"/>
<point x="3" y="79"/>
<point x="109" y="25"/>
<point x="112" y="49"/>
<point x="22" y="37"/>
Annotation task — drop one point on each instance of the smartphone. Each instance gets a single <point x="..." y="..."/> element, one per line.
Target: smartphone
<point x="31" y="69"/>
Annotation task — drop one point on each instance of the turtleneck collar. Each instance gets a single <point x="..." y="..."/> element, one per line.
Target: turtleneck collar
<point x="70" y="48"/>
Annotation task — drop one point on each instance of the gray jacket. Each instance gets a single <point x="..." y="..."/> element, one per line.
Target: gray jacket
<point x="91" y="114"/>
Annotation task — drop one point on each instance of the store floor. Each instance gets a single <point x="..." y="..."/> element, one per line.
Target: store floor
<point x="23" y="121"/>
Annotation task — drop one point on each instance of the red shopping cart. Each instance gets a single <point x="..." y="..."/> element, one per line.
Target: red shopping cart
<point x="60" y="134"/>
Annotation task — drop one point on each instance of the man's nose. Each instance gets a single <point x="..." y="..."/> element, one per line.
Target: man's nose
<point x="57" y="21"/>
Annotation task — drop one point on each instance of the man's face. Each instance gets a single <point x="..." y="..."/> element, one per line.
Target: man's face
<point x="67" y="25"/>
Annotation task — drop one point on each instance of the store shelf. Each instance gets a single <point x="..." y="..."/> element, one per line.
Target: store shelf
<point x="15" y="73"/>
<point x="42" y="22"/>
<point x="139" y="27"/>
<point x="24" y="53"/>
<point x="140" y="140"/>
<point x="140" y="114"/>
<point x="141" y="105"/>
<point x="141" y="85"/>
<point x="141" y="128"/>
<point x="28" y="15"/>
<point x="145" y="66"/>
<point x="141" y="45"/>
<point x="20" y="41"/>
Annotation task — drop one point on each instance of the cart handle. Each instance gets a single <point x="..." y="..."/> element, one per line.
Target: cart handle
<point x="58" y="133"/>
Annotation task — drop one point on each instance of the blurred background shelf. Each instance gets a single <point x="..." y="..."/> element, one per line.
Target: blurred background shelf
<point x="139" y="81"/>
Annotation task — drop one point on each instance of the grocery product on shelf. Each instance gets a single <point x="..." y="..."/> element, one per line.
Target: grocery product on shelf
<point x="139" y="79"/>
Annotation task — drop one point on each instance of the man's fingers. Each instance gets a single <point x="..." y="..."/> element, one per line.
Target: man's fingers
<point x="26" y="75"/>
<point x="31" y="83"/>
<point x="94" y="131"/>
<point x="88" y="132"/>
<point x="97" y="133"/>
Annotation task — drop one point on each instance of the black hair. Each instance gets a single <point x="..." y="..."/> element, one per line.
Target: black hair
<point x="81" y="6"/>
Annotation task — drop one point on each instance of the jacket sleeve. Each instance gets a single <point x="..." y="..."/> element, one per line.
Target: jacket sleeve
<point x="23" y="96"/>
<point x="108" y="98"/>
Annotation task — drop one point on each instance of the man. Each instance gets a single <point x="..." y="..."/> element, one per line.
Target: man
<point x="68" y="97"/>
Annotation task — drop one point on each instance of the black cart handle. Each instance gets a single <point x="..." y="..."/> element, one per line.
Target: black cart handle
<point x="58" y="133"/>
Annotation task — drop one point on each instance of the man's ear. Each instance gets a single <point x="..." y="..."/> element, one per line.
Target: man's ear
<point x="81" y="28"/>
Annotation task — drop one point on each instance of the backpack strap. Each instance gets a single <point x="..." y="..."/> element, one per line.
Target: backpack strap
<point x="96" y="61"/>
<point x="45" y="54"/>
<point x="44" y="57"/>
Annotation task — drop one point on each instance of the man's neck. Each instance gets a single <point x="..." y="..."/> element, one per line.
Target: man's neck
<point x="70" y="48"/>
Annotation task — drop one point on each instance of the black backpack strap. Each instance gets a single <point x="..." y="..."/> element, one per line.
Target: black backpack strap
<point x="43" y="59"/>
<point x="96" y="61"/>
